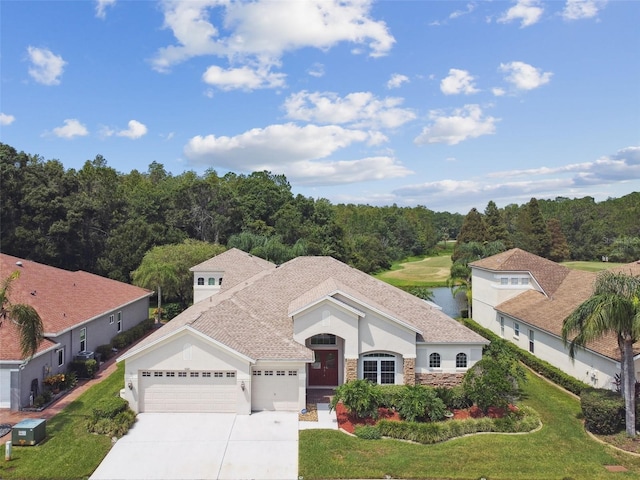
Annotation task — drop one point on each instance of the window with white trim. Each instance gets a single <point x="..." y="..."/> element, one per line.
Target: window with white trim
<point x="502" y="326"/>
<point x="461" y="360"/>
<point x="111" y="319"/>
<point x="514" y="281"/>
<point x="257" y="373"/>
<point x="504" y="281"/>
<point x="379" y="368"/>
<point x="83" y="339"/>
<point x="218" y="374"/>
<point x="157" y="374"/>
<point x="146" y="374"/>
<point x="268" y="373"/>
<point x="323" y="339"/>
<point x="119" y="322"/>
<point x="206" y="374"/>
<point x="231" y="374"/>
<point x="516" y="329"/>
<point x="531" y="339"/>
<point x="182" y="374"/>
<point x="212" y="281"/>
<point x="60" y="353"/>
<point x="200" y="280"/>
<point x="293" y="373"/>
<point x="171" y="374"/>
<point x="524" y="281"/>
<point x="434" y="360"/>
<point x="280" y="373"/>
<point x="194" y="374"/>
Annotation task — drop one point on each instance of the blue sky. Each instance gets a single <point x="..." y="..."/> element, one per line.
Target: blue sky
<point x="444" y="104"/>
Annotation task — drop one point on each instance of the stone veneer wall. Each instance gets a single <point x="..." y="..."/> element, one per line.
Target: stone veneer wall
<point x="439" y="379"/>
<point x="352" y="369"/>
<point x="409" y="371"/>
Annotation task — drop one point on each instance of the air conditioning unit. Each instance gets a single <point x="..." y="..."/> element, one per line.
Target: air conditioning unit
<point x="84" y="356"/>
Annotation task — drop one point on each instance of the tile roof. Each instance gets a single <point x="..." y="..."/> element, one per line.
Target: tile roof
<point x="253" y="317"/>
<point x="63" y="299"/>
<point x="548" y="274"/>
<point x="549" y="313"/>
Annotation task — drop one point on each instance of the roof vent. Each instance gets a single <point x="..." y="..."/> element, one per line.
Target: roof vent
<point x="19" y="263"/>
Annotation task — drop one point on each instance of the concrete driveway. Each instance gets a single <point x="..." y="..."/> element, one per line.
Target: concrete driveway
<point x="194" y="446"/>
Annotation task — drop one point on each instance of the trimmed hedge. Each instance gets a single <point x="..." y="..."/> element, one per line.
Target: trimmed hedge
<point x="541" y="367"/>
<point x="603" y="411"/>
<point x="83" y="368"/>
<point x="111" y="416"/>
<point x="524" y="420"/>
<point x="126" y="338"/>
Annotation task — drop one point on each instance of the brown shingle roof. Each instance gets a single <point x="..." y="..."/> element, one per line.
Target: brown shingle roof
<point x="632" y="268"/>
<point x="253" y="318"/>
<point x="237" y="266"/>
<point x="63" y="299"/>
<point x="549" y="275"/>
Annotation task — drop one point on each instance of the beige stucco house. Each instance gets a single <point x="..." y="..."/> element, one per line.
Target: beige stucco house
<point x="525" y="298"/>
<point x="259" y="335"/>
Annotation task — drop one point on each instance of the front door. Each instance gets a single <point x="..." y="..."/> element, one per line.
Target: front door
<point x="324" y="370"/>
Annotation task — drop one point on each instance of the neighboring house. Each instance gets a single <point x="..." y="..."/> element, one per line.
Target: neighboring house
<point x="525" y="299"/>
<point x="259" y="335"/>
<point x="79" y="312"/>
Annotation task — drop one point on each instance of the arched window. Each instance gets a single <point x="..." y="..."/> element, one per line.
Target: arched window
<point x="461" y="360"/>
<point x="212" y="281"/>
<point x="220" y="281"/>
<point x="434" y="360"/>
<point x="200" y="281"/>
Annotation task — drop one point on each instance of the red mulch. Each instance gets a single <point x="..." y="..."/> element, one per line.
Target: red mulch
<point x="348" y="422"/>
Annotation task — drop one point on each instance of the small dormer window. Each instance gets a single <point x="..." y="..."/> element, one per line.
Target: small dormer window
<point x="220" y="281"/>
<point x="212" y="281"/>
<point x="524" y="281"/>
<point x="504" y="281"/>
<point x="200" y="281"/>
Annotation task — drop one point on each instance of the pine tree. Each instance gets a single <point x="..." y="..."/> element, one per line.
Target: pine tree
<point x="496" y="226"/>
<point x="559" y="250"/>
<point x="473" y="230"/>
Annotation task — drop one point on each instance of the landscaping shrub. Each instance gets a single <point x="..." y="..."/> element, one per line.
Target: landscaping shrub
<point x="525" y="420"/>
<point x="453" y="397"/>
<point x="603" y="411"/>
<point x="111" y="416"/>
<point x="419" y="403"/>
<point x="171" y="310"/>
<point x="390" y="395"/>
<point x="105" y="352"/>
<point x="126" y="338"/>
<point x="70" y="380"/>
<point x="367" y="432"/>
<point x="83" y="368"/>
<point x="493" y="382"/>
<point x="362" y="398"/>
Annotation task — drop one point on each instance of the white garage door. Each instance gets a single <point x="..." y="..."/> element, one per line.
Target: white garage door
<point x="5" y="388"/>
<point x="193" y="391"/>
<point x="274" y="390"/>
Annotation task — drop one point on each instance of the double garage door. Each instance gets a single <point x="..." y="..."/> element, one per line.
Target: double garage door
<point x="188" y="391"/>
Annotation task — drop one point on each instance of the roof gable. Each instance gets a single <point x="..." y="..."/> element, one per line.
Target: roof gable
<point x="548" y="274"/>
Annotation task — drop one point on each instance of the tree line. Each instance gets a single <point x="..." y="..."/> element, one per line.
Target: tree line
<point x="104" y="221"/>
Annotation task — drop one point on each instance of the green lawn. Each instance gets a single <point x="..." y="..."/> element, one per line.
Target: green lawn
<point x="69" y="451"/>
<point x="591" y="266"/>
<point x="560" y="450"/>
<point x="418" y="272"/>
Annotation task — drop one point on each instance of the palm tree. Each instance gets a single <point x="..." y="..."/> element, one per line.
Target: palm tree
<point x="25" y="317"/>
<point x="613" y="308"/>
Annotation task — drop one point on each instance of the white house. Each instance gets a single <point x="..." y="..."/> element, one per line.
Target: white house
<point x="260" y="335"/>
<point x="79" y="311"/>
<point x="525" y="299"/>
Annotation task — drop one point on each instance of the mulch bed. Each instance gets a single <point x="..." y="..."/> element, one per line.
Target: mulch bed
<point x="349" y="422"/>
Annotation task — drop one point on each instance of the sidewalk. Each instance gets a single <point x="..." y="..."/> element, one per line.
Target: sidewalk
<point x="106" y="369"/>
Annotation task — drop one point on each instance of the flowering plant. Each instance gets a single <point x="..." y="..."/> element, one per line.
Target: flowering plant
<point x="55" y="380"/>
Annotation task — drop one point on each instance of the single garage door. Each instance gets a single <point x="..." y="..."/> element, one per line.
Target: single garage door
<point x="192" y="391"/>
<point x="274" y="390"/>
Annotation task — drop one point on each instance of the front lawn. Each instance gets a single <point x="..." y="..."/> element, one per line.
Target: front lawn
<point x="560" y="450"/>
<point x="69" y="451"/>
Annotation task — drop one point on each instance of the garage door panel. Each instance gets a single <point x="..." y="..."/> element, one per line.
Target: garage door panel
<point x="273" y="392"/>
<point x="188" y="394"/>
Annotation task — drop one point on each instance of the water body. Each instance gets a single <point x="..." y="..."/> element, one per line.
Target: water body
<point x="451" y="306"/>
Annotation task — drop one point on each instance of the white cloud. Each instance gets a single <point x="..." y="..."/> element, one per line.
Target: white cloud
<point x="397" y="80"/>
<point x="298" y="152"/>
<point x="524" y="76"/>
<point x="316" y="70"/>
<point x="101" y="7"/>
<point x="498" y="92"/>
<point x="527" y="11"/>
<point x="359" y="109"/>
<point x="6" y="119"/>
<point x="135" y="130"/>
<point x="251" y="40"/>
<point x="579" y="9"/>
<point x="458" y="81"/>
<point x="459" y="13"/>
<point x="72" y="128"/>
<point x="465" y="123"/>
<point x="244" y="78"/>
<point x="46" y="68"/>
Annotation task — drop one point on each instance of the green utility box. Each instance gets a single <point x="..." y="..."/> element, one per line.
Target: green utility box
<point x="29" y="432"/>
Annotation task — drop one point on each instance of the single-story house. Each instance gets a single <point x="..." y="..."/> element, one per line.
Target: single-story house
<point x="259" y="335"/>
<point x="79" y="312"/>
<point x="525" y="298"/>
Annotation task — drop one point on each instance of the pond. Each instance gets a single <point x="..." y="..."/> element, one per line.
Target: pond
<point x="451" y="306"/>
